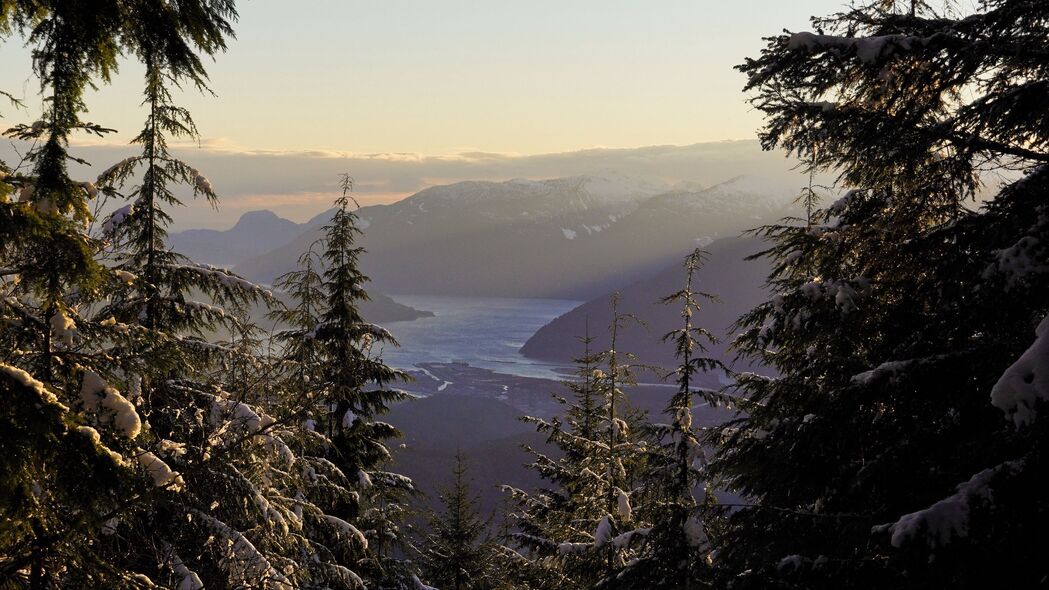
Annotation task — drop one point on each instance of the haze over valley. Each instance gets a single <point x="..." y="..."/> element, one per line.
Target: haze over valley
<point x="493" y="283"/>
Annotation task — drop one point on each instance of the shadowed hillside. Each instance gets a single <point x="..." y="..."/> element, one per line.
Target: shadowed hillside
<point x="736" y="282"/>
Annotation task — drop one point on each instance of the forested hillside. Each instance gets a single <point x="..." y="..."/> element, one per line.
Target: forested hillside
<point x="887" y="431"/>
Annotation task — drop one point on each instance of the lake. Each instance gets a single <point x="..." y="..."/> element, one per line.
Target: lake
<point x="484" y="332"/>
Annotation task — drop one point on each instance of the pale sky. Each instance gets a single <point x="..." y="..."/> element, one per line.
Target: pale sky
<point x="442" y="77"/>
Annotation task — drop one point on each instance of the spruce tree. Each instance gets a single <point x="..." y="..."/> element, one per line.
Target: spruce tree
<point x="334" y="376"/>
<point x="578" y="531"/>
<point x="457" y="553"/>
<point x="674" y="551"/>
<point x="898" y="310"/>
<point x="568" y="507"/>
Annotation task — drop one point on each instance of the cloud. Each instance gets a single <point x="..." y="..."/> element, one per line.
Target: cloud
<point x="300" y="184"/>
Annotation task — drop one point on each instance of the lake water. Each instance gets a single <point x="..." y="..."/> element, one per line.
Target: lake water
<point x="485" y="332"/>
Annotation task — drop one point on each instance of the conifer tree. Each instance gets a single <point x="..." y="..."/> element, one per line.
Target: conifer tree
<point x="206" y="491"/>
<point x="71" y="466"/>
<point x="567" y="509"/>
<point x="332" y="369"/>
<point x="354" y="382"/>
<point x="299" y="322"/>
<point x="457" y="553"/>
<point x="173" y="366"/>
<point x="578" y="531"/>
<point x="895" y="315"/>
<point x="675" y="551"/>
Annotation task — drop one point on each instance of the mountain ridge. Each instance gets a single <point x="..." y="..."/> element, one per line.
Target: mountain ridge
<point x="572" y="237"/>
<point x="254" y="233"/>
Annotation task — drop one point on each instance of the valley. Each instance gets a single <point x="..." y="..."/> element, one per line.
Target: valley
<point x="505" y="278"/>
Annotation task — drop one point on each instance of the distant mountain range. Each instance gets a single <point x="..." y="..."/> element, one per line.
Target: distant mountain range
<point x="255" y="233"/>
<point x="738" y="283"/>
<point x="572" y="238"/>
<point x="258" y="232"/>
<point x="579" y="237"/>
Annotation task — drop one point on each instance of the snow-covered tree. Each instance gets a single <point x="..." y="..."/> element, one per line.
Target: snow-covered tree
<point x="145" y="452"/>
<point x="335" y="381"/>
<point x="674" y="551"/>
<point x="898" y="309"/>
<point x="69" y="437"/>
<point x="577" y="532"/>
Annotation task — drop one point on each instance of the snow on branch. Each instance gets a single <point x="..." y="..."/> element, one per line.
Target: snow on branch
<point x="228" y="413"/>
<point x="27" y="381"/>
<point x="116" y="218"/>
<point x="1025" y="382"/>
<point x="1025" y="259"/>
<point x="223" y="277"/>
<point x="869" y="50"/>
<point x="96" y="442"/>
<point x="188" y="579"/>
<point x="162" y="474"/>
<point x="885" y="370"/>
<point x="948" y="518"/>
<point x="244" y="563"/>
<point x="345" y="530"/>
<point x="96" y="394"/>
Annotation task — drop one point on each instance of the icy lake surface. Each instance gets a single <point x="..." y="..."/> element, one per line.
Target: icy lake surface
<point x="484" y="332"/>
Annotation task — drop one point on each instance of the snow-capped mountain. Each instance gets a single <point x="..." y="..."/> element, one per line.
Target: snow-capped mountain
<point x="570" y="237"/>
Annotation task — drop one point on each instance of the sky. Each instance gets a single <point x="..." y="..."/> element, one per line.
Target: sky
<point x="439" y="79"/>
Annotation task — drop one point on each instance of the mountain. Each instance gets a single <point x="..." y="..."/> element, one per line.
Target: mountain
<point x="738" y="283"/>
<point x="570" y="238"/>
<point x="379" y="309"/>
<point x="382" y="309"/>
<point x="255" y="233"/>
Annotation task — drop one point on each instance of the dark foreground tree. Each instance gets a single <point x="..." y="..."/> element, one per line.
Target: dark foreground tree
<point x="871" y="453"/>
<point x="457" y="553"/>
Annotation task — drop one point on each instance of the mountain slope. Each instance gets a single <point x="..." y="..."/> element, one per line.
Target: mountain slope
<point x="564" y="238"/>
<point x="737" y="282"/>
<point x="487" y="431"/>
<point x="257" y="232"/>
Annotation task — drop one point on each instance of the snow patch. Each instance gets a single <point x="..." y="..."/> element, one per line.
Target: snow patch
<point x="27" y="380"/>
<point x="95" y="392"/>
<point x="346" y="530"/>
<point x="889" y="370"/>
<point x="1025" y="382"/>
<point x="603" y="534"/>
<point x="162" y="474"/>
<point x="623" y="505"/>
<point x="869" y="50"/>
<point x="948" y="518"/>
